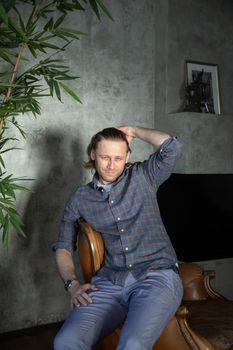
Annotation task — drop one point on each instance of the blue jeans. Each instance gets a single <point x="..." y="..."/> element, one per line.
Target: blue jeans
<point x="146" y="307"/>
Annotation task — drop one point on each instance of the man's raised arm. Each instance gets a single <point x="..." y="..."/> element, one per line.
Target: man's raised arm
<point x="152" y="136"/>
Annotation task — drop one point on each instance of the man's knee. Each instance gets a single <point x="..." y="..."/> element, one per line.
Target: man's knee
<point x="135" y="342"/>
<point x="58" y="343"/>
<point x="61" y="342"/>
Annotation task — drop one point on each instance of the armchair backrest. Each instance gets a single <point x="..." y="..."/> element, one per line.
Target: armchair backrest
<point x="91" y="250"/>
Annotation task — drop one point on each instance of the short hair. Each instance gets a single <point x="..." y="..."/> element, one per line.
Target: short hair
<point x="105" y="134"/>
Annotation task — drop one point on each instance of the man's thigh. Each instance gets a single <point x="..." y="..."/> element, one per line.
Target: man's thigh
<point x="152" y="303"/>
<point x="87" y="324"/>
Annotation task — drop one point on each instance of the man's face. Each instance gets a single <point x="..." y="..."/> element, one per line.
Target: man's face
<point x="110" y="158"/>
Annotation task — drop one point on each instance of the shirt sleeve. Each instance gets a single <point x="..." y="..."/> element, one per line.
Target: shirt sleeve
<point x="68" y="227"/>
<point x="160" y="164"/>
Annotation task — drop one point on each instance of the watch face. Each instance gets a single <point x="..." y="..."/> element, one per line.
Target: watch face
<point x="67" y="284"/>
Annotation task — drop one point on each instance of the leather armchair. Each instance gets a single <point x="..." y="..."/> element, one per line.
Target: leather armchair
<point x="204" y="321"/>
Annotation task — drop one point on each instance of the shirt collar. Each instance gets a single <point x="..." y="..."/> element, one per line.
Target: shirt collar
<point x="95" y="179"/>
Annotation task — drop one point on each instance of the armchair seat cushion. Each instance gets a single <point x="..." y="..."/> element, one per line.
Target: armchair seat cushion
<point x="212" y="319"/>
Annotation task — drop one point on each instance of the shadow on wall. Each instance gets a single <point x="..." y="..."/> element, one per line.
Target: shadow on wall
<point x="39" y="284"/>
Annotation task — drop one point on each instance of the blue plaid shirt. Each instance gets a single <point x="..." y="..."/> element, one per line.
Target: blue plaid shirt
<point x="128" y="217"/>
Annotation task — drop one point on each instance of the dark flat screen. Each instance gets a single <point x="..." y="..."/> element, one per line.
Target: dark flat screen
<point x="197" y="211"/>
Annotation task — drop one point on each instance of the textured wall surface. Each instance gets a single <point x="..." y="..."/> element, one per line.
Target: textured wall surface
<point x="131" y="72"/>
<point x="200" y="31"/>
<point x="115" y="62"/>
<point x="194" y="31"/>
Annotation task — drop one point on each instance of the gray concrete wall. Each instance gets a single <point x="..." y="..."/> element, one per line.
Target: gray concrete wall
<point x="195" y="30"/>
<point x="130" y="71"/>
<point x="116" y="65"/>
<point x="200" y="31"/>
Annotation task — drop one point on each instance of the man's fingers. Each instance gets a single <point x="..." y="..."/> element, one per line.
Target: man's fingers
<point x="74" y="303"/>
<point x="83" y="300"/>
<point x="89" y="286"/>
<point x="93" y="287"/>
<point x="81" y="297"/>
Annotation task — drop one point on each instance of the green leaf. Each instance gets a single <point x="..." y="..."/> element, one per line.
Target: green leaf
<point x="5" y="74"/>
<point x="104" y="9"/>
<point x="49" y="24"/>
<point x="36" y="46"/>
<point x="8" y="4"/>
<point x="5" y="201"/>
<point x="75" y="6"/>
<point x="3" y="14"/>
<point x="95" y="7"/>
<point x="74" y="31"/>
<point x="9" y="149"/>
<point x="30" y="18"/>
<point x="43" y="38"/>
<point x="33" y="52"/>
<point x="2" y="162"/>
<point x="51" y="86"/>
<point x="57" y="90"/>
<point x="16" y="225"/>
<point x="10" y="85"/>
<point x="65" y="6"/>
<point x="21" y="188"/>
<point x="70" y="92"/>
<point x="6" y="57"/>
<point x="9" y="191"/>
<point x="16" y="29"/>
<point x="2" y="218"/>
<point x="59" y="21"/>
<point x="20" y="21"/>
<point x="18" y="126"/>
<point x="6" y="229"/>
<point x="51" y="46"/>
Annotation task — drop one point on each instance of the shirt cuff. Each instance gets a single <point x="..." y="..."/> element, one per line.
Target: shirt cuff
<point x="171" y="144"/>
<point x="63" y="245"/>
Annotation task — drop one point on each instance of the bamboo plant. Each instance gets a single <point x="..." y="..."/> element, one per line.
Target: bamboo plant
<point x="31" y="70"/>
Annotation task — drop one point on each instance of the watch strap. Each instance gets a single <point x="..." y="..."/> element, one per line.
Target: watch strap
<point x="68" y="284"/>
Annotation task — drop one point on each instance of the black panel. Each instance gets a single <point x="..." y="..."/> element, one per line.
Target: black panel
<point x="197" y="211"/>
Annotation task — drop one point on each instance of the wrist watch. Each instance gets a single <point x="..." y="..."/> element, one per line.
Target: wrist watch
<point x="68" y="284"/>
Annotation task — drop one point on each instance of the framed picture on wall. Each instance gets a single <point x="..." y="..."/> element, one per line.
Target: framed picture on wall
<point x="202" y="87"/>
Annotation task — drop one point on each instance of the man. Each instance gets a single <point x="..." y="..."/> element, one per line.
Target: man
<point x="139" y="282"/>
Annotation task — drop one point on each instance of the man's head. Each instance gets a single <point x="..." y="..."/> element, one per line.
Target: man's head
<point x="108" y="152"/>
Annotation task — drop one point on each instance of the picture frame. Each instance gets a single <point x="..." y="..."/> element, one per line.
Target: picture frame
<point x="206" y="77"/>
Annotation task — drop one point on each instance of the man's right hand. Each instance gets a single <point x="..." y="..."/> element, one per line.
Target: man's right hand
<point x="79" y="295"/>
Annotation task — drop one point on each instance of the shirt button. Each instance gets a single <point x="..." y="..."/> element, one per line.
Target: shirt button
<point x="122" y="230"/>
<point x="126" y="248"/>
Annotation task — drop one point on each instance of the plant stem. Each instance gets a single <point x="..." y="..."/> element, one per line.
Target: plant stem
<point x="12" y="79"/>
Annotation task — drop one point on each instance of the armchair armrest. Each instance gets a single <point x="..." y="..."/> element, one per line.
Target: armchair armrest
<point x="195" y="341"/>
<point x="196" y="282"/>
<point x="213" y="294"/>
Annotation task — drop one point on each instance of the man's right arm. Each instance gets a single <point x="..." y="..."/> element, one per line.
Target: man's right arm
<point x="78" y="292"/>
<point x="64" y="248"/>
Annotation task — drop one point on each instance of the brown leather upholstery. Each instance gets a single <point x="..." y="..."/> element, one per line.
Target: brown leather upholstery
<point x="213" y="320"/>
<point x="203" y="322"/>
<point x="196" y="282"/>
